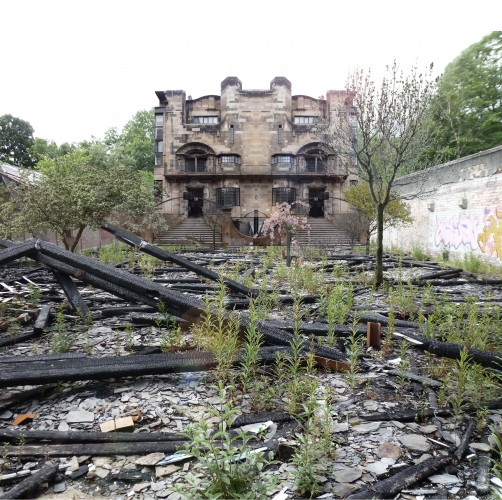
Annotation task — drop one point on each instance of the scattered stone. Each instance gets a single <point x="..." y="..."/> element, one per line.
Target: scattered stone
<point x="444" y="479"/>
<point x="81" y="471"/>
<point x="79" y="416"/>
<point x="347" y="475"/>
<point x="377" y="468"/>
<point x="101" y="472"/>
<point x="428" y="429"/>
<point x="166" y="471"/>
<point x="415" y="442"/>
<point x="150" y="459"/>
<point x="140" y="486"/>
<point x="367" y="427"/>
<point x="63" y="427"/>
<point x="59" y="487"/>
<point x="388" y="450"/>
<point x="479" y="446"/>
<point x="340" y="427"/>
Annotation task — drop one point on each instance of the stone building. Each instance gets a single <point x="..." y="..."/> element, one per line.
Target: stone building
<point x="243" y="151"/>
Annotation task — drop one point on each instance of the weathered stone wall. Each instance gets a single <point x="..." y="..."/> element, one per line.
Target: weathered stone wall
<point x="255" y="125"/>
<point x="456" y="206"/>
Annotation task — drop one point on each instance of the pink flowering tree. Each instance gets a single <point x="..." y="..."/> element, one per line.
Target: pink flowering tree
<point x="283" y="223"/>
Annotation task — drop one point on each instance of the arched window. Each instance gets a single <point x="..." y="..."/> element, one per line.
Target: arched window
<point x="194" y="157"/>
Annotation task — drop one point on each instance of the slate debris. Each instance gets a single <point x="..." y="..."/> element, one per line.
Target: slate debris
<point x="368" y="452"/>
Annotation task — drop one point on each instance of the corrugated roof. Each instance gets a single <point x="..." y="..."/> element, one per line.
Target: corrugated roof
<point x="17" y="175"/>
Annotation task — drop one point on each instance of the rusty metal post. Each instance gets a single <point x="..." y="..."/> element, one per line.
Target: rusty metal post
<point x="373" y="338"/>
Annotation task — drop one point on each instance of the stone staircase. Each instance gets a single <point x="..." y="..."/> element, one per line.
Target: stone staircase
<point x="324" y="233"/>
<point x="190" y="231"/>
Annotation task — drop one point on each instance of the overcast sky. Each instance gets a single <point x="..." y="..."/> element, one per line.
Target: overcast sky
<point x="74" y="69"/>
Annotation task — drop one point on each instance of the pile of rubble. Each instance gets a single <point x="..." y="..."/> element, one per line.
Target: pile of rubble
<point x="108" y="417"/>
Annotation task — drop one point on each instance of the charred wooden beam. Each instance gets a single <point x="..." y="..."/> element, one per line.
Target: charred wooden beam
<point x="28" y="487"/>
<point x="391" y="486"/>
<point x="93" y="449"/>
<point x="160" y="254"/>
<point x="13" y="436"/>
<point x="72" y="293"/>
<point x="16" y="251"/>
<point x="453" y="351"/>
<point x="42" y="319"/>
<point x="38" y="371"/>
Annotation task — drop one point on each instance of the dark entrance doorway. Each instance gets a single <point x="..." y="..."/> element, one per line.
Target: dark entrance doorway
<point x="316" y="202"/>
<point x="195" y="202"/>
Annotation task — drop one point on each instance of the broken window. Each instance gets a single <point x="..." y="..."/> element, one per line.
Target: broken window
<point x="228" y="197"/>
<point x="283" y="195"/>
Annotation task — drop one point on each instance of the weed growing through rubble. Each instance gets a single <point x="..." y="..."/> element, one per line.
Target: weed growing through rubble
<point x="61" y="338"/>
<point x="354" y="351"/>
<point x="387" y="343"/>
<point x="251" y="351"/>
<point x="230" y="467"/>
<point x="335" y="306"/>
<point x="33" y="297"/>
<point x="468" y="384"/>
<point x="404" y="363"/>
<point x="218" y="332"/>
<point x="315" y="446"/>
<point x="497" y="458"/>
<point x="129" y="336"/>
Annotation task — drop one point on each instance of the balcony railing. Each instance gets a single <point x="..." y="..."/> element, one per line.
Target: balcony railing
<point x="319" y="168"/>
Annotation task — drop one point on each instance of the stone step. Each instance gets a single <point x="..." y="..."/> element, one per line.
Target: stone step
<point x="188" y="232"/>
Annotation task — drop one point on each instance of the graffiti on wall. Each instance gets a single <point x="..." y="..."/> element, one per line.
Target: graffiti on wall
<point x="477" y="230"/>
<point x="490" y="238"/>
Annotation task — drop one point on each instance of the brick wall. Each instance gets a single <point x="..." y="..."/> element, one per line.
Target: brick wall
<point x="456" y="206"/>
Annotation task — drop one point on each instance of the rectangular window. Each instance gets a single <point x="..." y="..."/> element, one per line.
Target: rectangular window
<point x="228" y="159"/>
<point x="231" y="134"/>
<point x="159" y="120"/>
<point x="279" y="134"/>
<point x="305" y="120"/>
<point x="205" y="120"/>
<point x="157" y="189"/>
<point x="228" y="197"/>
<point x="283" y="159"/>
<point x="283" y="195"/>
<point x="159" y="147"/>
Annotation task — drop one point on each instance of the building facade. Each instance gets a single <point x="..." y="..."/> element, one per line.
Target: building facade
<point x="246" y="150"/>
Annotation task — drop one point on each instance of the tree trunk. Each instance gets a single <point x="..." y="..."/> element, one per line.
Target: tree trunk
<point x="288" y="248"/>
<point x="77" y="239"/>
<point x="379" y="253"/>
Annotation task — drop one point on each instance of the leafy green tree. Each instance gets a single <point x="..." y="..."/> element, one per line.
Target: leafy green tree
<point x="396" y="213"/>
<point x="73" y="194"/>
<point x="16" y="139"/>
<point x="384" y="131"/>
<point x="467" y="111"/>
<point x="134" y="147"/>
<point x="42" y="148"/>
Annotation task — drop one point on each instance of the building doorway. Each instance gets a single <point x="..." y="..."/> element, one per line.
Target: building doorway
<point x="316" y="202"/>
<point x="195" y="202"/>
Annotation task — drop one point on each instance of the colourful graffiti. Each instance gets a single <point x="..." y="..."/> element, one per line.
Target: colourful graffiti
<point x="474" y="230"/>
<point x="490" y="238"/>
<point x="457" y="232"/>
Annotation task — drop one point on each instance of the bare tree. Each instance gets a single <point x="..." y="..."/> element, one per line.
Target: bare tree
<point x="384" y="129"/>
